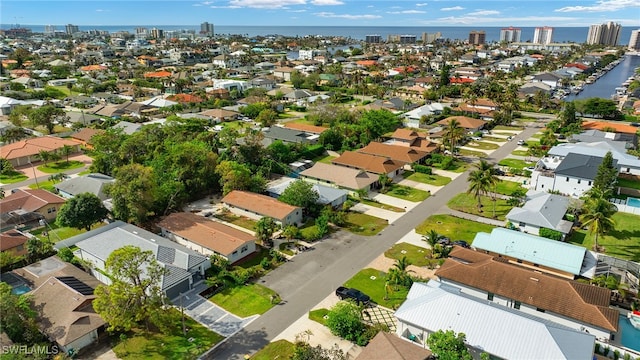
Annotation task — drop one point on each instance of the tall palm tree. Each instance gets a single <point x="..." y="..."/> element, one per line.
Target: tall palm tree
<point x="482" y="180"/>
<point x="491" y="180"/>
<point x="597" y="217"/>
<point x="453" y="133"/>
<point x="477" y="186"/>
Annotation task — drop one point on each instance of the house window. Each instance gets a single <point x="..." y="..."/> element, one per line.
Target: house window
<point x="51" y="210"/>
<point x="20" y="247"/>
<point x="628" y="169"/>
<point x="235" y="252"/>
<point x="589" y="183"/>
<point x="516" y="305"/>
<point x="578" y="181"/>
<point x="540" y="310"/>
<point x="490" y="296"/>
<point x="244" y="248"/>
<point x="567" y="179"/>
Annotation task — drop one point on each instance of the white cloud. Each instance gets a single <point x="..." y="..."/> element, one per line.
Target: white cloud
<point x="348" y="16"/>
<point x="601" y="6"/>
<point x="483" y="13"/>
<point x="406" y="12"/>
<point x="523" y="21"/>
<point x="264" y="4"/>
<point x="452" y="8"/>
<point x="102" y="10"/>
<point x="326" y="2"/>
<point x="297" y="11"/>
<point x="421" y="4"/>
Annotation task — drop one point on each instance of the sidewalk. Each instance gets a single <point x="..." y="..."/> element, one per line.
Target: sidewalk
<point x="481" y="219"/>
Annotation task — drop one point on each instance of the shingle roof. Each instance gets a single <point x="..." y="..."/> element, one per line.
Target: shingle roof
<point x="212" y="235"/>
<point x="289" y="135"/>
<point x="260" y="204"/>
<point x="306" y="127"/>
<point x="371" y="163"/>
<point x="580" y="166"/>
<point x="326" y="194"/>
<point x="85" y="134"/>
<point x="543" y="209"/>
<point x="399" y="153"/>
<point x="33" y="146"/>
<point x="11" y="239"/>
<point x="91" y="183"/>
<point x="341" y="176"/>
<point x="585" y="303"/>
<point x="465" y="122"/>
<point x="29" y="200"/>
<point x="385" y="346"/>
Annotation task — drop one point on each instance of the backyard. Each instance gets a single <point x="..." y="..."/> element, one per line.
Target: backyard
<point x="453" y="227"/>
<point x="623" y="242"/>
<point x="469" y="204"/>
<point x="243" y="301"/>
<point x="407" y="193"/>
<point x="373" y="283"/>
<point x="237" y="220"/>
<point x="363" y="224"/>
<point x="431" y="179"/>
<point x="57" y="233"/>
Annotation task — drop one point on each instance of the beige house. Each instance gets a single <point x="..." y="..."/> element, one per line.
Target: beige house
<point x="256" y="206"/>
<point x="24" y="152"/>
<point x="341" y="177"/>
<point x="39" y="201"/>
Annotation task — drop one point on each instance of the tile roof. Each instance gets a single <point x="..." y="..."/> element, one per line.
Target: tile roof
<point x="407" y="134"/>
<point x="371" y="163"/>
<point x="399" y="153"/>
<point x="212" y="235"/>
<point x="465" y="122"/>
<point x="29" y="200"/>
<point x="85" y="134"/>
<point x="585" y="303"/>
<point x="157" y="74"/>
<point x="11" y="239"/>
<point x="306" y="127"/>
<point x="185" y="98"/>
<point x="386" y="346"/>
<point x="617" y="127"/>
<point x="261" y="204"/>
<point x="341" y="176"/>
<point x="33" y="146"/>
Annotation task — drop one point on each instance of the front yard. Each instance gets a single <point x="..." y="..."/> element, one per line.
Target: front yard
<point x="623" y="242"/>
<point x="506" y="187"/>
<point x="515" y="163"/>
<point x="380" y="205"/>
<point x="60" y="166"/>
<point x="407" y="193"/>
<point x="373" y="282"/>
<point x="13" y="177"/>
<point x="453" y="227"/>
<point x="363" y="224"/>
<point x="243" y="301"/>
<point x="469" y="204"/>
<point x="416" y="255"/>
<point x="483" y="145"/>
<point x="432" y="179"/>
<point x="281" y="349"/>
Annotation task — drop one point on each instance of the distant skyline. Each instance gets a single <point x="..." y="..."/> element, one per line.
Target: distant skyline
<point x="322" y="12"/>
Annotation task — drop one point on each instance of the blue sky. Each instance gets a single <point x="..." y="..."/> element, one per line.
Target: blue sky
<point x="322" y="12"/>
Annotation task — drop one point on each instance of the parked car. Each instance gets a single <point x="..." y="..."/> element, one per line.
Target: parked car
<point x="509" y="138"/>
<point x="462" y="243"/>
<point x="520" y="142"/>
<point x="500" y="172"/>
<point x="356" y="295"/>
<point x="444" y="241"/>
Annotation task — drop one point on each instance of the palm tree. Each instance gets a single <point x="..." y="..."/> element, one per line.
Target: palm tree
<point x="491" y="180"/>
<point x="44" y="156"/>
<point x="453" y="133"/>
<point x="477" y="186"/>
<point x="66" y="151"/>
<point x="399" y="273"/>
<point x="597" y="216"/>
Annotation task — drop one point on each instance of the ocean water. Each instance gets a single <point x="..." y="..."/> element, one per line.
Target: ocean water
<point x="560" y="34"/>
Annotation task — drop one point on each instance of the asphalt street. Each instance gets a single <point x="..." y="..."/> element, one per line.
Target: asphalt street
<point x="310" y="276"/>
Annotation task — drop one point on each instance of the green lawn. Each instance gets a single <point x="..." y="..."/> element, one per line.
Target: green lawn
<point x="628" y="183"/>
<point x="407" y="193"/>
<point x="433" y="179"/>
<point x="308" y="230"/>
<point x="453" y="227"/>
<point x="623" y="242"/>
<point x="508" y="187"/>
<point x="60" y="166"/>
<point x="256" y="258"/>
<point x="45" y="185"/>
<point x="482" y="145"/>
<point x="416" y="255"/>
<point x="508" y="128"/>
<point x="520" y="153"/>
<point x="536" y="136"/>
<point x="61" y="233"/>
<point x="281" y="349"/>
<point x="13" y="177"/>
<point x="326" y="159"/>
<point x="363" y="224"/>
<point x="380" y="205"/>
<point x="151" y="345"/>
<point x="493" y="138"/>
<point x="465" y="152"/>
<point x="372" y="282"/>
<point x="245" y="300"/>
<point x="318" y="315"/>
<point x="515" y="163"/>
<point x="237" y="220"/>
<point x="467" y="203"/>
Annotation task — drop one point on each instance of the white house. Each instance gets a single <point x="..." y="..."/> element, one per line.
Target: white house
<point x="573" y="175"/>
<point x="541" y="210"/>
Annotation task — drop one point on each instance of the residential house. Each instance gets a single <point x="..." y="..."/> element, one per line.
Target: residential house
<point x="387" y="346"/>
<point x="83" y="118"/>
<point x="24" y="152"/>
<point x="63" y="298"/>
<point x="298" y="95"/>
<point x="129" y="108"/>
<point x="184" y="266"/>
<point x="326" y="195"/>
<point x="208" y="237"/>
<point x="264" y="83"/>
<point x="579" y="306"/>
<point x="628" y="164"/>
<point x="413" y="117"/>
<point x="541" y="210"/>
<point x="23" y="201"/>
<point x="489" y="328"/>
<point x="550" y="79"/>
<point x="256" y="206"/>
<point x="311" y="129"/>
<point x="352" y="180"/>
<point x="621" y="141"/>
<point x="84" y="135"/>
<point x="91" y="183"/>
<point x="532" y="88"/>
<point x="537" y="253"/>
<point x="290" y="136"/>
<point x="374" y="164"/>
<point x="81" y="101"/>
<point x="220" y="115"/>
<point x="470" y="124"/>
<point x="226" y="61"/>
<point x="159" y="101"/>
<point x="413" y="139"/>
<point x="127" y="127"/>
<point x="28" y="82"/>
<point x="573" y="175"/>
<point x="401" y="154"/>
<point x="608" y="126"/>
<point x="13" y="242"/>
<point x="283" y="73"/>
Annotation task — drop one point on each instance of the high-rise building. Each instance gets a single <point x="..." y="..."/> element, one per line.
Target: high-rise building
<point x="157" y="33"/>
<point x="634" y="41"/>
<point x="477" y="37"/>
<point x="206" y="29"/>
<point x="543" y="35"/>
<point x="604" y="34"/>
<point x="372" y="39"/>
<point x="510" y="34"/>
<point x="71" y="29"/>
<point x="407" y="39"/>
<point x="430" y="38"/>
<point x="49" y="30"/>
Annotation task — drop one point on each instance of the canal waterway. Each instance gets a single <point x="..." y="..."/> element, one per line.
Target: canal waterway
<point x="606" y="85"/>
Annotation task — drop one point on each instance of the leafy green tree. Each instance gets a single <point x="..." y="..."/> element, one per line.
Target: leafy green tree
<point x="18" y="318"/>
<point x="45" y="156"/>
<point x="597" y="213"/>
<point x="517" y="198"/>
<point x="482" y="181"/>
<point x="453" y="133"/>
<point x="132" y="193"/>
<point x="384" y="181"/>
<point x="135" y="295"/>
<point x="399" y="273"/>
<point x="568" y="115"/>
<point x="265" y="227"/>
<point x="607" y="175"/>
<point x="267" y="117"/>
<point x="38" y="248"/>
<point x="6" y="167"/>
<point x="301" y="193"/>
<point x="46" y="115"/>
<point x="548" y="138"/>
<point x="106" y="147"/>
<point x="445" y="73"/>
<point x="82" y="211"/>
<point x="7" y="259"/>
<point x="297" y="79"/>
<point x="236" y="176"/>
<point x="345" y="320"/>
<point x="291" y="232"/>
<point x="304" y="351"/>
<point x="13" y="134"/>
<point x="447" y="345"/>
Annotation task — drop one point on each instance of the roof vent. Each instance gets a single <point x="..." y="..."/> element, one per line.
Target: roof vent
<point x="154" y="240"/>
<point x="534" y="279"/>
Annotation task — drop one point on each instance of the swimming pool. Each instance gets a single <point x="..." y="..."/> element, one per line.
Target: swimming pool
<point x="630" y="337"/>
<point x="22" y="289"/>
<point x="633" y="202"/>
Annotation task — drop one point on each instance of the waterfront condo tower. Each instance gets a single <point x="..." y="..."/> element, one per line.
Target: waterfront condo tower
<point x="206" y="29"/>
<point x="372" y="39"/>
<point x="477" y="37"/>
<point x="634" y="41"/>
<point x="543" y="35"/>
<point x="510" y="34"/>
<point x="604" y="34"/>
<point x="71" y="29"/>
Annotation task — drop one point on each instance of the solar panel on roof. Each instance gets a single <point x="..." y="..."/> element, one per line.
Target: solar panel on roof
<point x="77" y="285"/>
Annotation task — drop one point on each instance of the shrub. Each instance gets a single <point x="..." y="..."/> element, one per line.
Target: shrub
<point x="422" y="169"/>
<point x="550" y="234"/>
<point x="66" y="254"/>
<point x="447" y="163"/>
<point x="265" y="263"/>
<point x="344" y="320"/>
